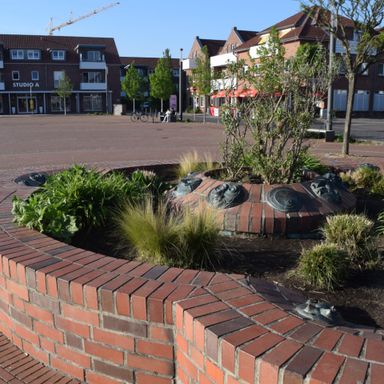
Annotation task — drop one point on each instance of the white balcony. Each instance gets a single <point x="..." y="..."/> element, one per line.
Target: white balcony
<point x="93" y="86"/>
<point x="89" y="64"/>
<point x="1" y="63"/>
<point x="223" y="60"/>
<point x="189" y="64"/>
<point x="2" y="86"/>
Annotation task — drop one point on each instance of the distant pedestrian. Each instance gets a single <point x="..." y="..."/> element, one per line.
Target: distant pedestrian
<point x="167" y="117"/>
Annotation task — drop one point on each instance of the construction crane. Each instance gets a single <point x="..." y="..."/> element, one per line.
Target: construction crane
<point x="72" y="21"/>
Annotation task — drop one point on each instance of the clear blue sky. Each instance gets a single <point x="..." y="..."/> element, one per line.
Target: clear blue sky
<point x="145" y="28"/>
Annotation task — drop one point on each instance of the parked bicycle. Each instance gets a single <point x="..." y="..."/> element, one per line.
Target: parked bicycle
<point x="139" y="116"/>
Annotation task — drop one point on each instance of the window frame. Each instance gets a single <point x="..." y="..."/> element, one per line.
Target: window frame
<point x="35" y="78"/>
<point x="14" y="77"/>
<point x="58" y="57"/>
<point x="18" y="52"/>
<point x="33" y="54"/>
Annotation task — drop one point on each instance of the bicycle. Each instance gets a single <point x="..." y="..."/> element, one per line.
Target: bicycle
<point x="139" y="116"/>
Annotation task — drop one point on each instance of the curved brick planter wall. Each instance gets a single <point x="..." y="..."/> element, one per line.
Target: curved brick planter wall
<point x="255" y="216"/>
<point x="110" y="321"/>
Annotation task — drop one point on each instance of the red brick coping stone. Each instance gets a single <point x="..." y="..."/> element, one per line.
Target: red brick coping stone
<point x="256" y="216"/>
<point x="110" y="321"/>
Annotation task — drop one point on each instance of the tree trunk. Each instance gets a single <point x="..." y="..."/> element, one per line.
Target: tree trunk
<point x="65" y="106"/>
<point x="161" y="107"/>
<point x="134" y="105"/>
<point x="348" y="114"/>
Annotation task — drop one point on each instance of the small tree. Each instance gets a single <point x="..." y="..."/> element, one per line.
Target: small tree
<point x="274" y="122"/>
<point x="64" y="90"/>
<point x="202" y="76"/>
<point x="133" y="85"/>
<point x="161" y="82"/>
<point x="363" y="18"/>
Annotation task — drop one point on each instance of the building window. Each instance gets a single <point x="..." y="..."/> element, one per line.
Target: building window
<point x="93" y="103"/>
<point x="363" y="70"/>
<point x="93" y="77"/>
<point x="380" y="70"/>
<point x="175" y="72"/>
<point x="35" y="75"/>
<point x="33" y="54"/>
<point x="15" y="75"/>
<point x="57" y="104"/>
<point x="58" y="55"/>
<point x="92" y="56"/>
<point x="17" y="54"/>
<point x="57" y="77"/>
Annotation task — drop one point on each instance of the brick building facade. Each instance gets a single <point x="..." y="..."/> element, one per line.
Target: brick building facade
<point x="32" y="66"/>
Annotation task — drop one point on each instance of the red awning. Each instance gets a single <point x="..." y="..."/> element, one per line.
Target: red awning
<point x="246" y="92"/>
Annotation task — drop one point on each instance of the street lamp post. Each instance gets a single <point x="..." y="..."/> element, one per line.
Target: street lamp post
<point x="330" y="133"/>
<point x="180" y="84"/>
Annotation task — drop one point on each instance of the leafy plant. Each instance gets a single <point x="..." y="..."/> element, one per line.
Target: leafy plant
<point x="270" y="128"/>
<point x="369" y="179"/>
<point x="78" y="199"/>
<point x="324" y="266"/>
<point x="192" y="162"/>
<point x="182" y="239"/>
<point x="312" y="163"/>
<point x="354" y="235"/>
<point x="380" y="227"/>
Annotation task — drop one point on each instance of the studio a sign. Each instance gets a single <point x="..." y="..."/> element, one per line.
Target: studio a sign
<point x="31" y="84"/>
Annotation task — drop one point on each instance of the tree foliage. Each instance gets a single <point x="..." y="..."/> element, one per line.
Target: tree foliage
<point x="64" y="90"/>
<point x="360" y="18"/>
<point x="133" y="83"/>
<point x="266" y="132"/>
<point x="161" y="81"/>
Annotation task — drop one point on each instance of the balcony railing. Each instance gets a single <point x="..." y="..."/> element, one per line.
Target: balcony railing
<point x="223" y="60"/>
<point x="189" y="64"/>
<point x="2" y="86"/>
<point x="93" y="86"/>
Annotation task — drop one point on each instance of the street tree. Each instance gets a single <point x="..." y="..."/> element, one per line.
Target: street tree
<point x="133" y="85"/>
<point x="161" y="82"/>
<point x="355" y="25"/>
<point x="202" y="76"/>
<point x="64" y="90"/>
<point x="266" y="132"/>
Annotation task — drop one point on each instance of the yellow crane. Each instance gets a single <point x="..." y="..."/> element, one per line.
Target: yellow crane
<point x="72" y="21"/>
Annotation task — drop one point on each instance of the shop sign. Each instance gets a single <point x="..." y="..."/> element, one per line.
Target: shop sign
<point x="31" y="84"/>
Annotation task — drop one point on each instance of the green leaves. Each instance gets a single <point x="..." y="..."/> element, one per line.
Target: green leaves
<point x="133" y="83"/>
<point x="161" y="80"/>
<point x="79" y="199"/>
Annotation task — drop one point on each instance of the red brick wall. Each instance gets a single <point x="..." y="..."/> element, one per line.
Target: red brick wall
<point x="105" y="320"/>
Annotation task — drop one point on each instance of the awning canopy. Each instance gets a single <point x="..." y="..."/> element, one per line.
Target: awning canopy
<point x="245" y="92"/>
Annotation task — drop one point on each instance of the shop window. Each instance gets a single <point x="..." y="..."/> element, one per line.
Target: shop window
<point x="57" y="104"/>
<point x="15" y="75"/>
<point x="93" y="103"/>
<point x="35" y="75"/>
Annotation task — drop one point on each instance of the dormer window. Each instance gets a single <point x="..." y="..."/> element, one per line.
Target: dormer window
<point x="33" y="54"/>
<point x="58" y="55"/>
<point x="17" y="54"/>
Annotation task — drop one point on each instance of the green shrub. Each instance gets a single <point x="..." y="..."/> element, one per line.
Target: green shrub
<point x="192" y="162"/>
<point x="78" y="199"/>
<point x="369" y="179"/>
<point x="380" y="227"/>
<point x="312" y="163"/>
<point x="323" y="267"/>
<point x="353" y="234"/>
<point x="181" y="239"/>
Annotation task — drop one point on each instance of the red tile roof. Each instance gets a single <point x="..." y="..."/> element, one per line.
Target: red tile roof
<point x="149" y="62"/>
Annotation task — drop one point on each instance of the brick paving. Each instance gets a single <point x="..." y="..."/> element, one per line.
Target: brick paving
<point x="282" y="339"/>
